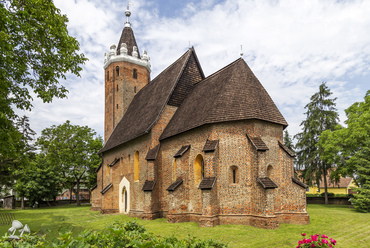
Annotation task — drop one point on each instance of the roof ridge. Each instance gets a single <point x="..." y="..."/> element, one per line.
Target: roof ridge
<point x="220" y="70"/>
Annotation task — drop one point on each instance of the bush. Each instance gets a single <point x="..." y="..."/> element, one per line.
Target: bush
<point x="329" y="194"/>
<point x="118" y="234"/>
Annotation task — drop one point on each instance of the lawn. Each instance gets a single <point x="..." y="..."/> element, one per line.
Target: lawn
<point x="349" y="228"/>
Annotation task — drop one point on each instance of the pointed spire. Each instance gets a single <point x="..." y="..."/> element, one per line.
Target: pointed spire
<point x="128" y="14"/>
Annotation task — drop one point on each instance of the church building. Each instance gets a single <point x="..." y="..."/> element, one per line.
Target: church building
<point x="187" y="147"/>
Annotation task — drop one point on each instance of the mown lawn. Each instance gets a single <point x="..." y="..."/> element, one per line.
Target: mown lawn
<point x="349" y="228"/>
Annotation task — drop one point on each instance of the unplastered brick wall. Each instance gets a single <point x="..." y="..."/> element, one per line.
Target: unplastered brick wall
<point x="120" y="89"/>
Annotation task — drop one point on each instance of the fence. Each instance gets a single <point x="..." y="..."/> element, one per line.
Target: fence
<point x="332" y="200"/>
<point x="6" y="218"/>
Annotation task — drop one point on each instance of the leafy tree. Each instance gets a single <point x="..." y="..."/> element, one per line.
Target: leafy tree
<point x="39" y="181"/>
<point x="349" y="148"/>
<point x="321" y="115"/>
<point x="24" y="146"/>
<point x="72" y="150"/>
<point x="35" y="52"/>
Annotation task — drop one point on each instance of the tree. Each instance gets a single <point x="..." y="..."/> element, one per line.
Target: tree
<point x="35" y="53"/>
<point x="321" y="115"/>
<point x="349" y="148"/>
<point x="10" y="165"/>
<point x="72" y="150"/>
<point x="39" y="181"/>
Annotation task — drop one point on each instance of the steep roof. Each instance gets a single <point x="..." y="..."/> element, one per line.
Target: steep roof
<point x="233" y="93"/>
<point x="148" y="104"/>
<point x="127" y="37"/>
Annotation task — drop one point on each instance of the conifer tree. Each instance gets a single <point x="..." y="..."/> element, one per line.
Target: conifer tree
<point x="321" y="115"/>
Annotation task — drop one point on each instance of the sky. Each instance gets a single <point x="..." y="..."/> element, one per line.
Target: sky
<point x="291" y="46"/>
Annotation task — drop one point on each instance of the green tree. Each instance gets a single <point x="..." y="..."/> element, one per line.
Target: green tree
<point x="73" y="150"/>
<point x="321" y="115"/>
<point x="349" y="148"/>
<point x="24" y="146"/>
<point x="35" y="53"/>
<point x="39" y="181"/>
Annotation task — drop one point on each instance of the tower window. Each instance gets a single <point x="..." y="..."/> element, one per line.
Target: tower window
<point x="117" y="71"/>
<point x="134" y="74"/>
<point x="117" y="87"/>
<point x="107" y="75"/>
<point x="117" y="106"/>
<point x="135" y="89"/>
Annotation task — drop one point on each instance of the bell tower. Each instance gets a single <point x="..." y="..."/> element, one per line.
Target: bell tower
<point x="126" y="73"/>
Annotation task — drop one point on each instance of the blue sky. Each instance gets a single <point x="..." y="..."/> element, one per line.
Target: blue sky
<point x="291" y="46"/>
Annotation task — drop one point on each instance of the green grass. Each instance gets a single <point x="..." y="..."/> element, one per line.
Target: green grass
<point x="349" y="228"/>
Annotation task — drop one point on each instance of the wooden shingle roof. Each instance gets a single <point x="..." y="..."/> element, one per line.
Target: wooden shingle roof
<point x="296" y="181"/>
<point x="207" y="183"/>
<point x="152" y="153"/>
<point x="258" y="143"/>
<point x="182" y="151"/>
<point x="233" y="93"/>
<point x="148" y="185"/>
<point x="286" y="149"/>
<point x="175" y="185"/>
<point x="267" y="183"/>
<point x="147" y="105"/>
<point x="127" y="37"/>
<point x="210" y="145"/>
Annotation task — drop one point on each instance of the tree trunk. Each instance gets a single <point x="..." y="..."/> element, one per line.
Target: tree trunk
<point x="326" y="187"/>
<point x="78" y="193"/>
<point x="70" y="194"/>
<point x="22" y="203"/>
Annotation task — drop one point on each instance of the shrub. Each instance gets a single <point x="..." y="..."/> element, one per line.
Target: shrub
<point x="118" y="234"/>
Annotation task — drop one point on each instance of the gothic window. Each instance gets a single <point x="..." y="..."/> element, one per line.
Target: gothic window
<point x="234" y="174"/>
<point x="134" y="73"/>
<point x="107" y="75"/>
<point x="136" y="166"/>
<point x="135" y="89"/>
<point x="117" y="71"/>
<point x="198" y="169"/>
<point x="108" y="169"/>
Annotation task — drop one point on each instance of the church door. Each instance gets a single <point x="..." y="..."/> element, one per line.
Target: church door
<point x="124" y="196"/>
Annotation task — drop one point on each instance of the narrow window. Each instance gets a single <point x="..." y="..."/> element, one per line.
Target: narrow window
<point x="234" y="174"/>
<point x="117" y="106"/>
<point x="108" y="168"/>
<point x="135" y="89"/>
<point x="107" y="75"/>
<point x="117" y="87"/>
<point x="134" y="73"/>
<point x="198" y="169"/>
<point x="117" y="71"/>
<point x="136" y="166"/>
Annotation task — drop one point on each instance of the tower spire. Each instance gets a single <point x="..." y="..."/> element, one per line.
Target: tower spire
<point x="127" y="13"/>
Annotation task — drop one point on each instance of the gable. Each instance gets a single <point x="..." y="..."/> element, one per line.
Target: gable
<point x="233" y="93"/>
<point x="148" y="104"/>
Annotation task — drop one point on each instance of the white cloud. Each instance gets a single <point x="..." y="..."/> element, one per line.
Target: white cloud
<point x="292" y="47"/>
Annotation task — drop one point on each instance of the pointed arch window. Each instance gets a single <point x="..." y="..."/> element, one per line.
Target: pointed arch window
<point x="136" y="166"/>
<point x="134" y="73"/>
<point x="174" y="176"/>
<point x="198" y="169"/>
